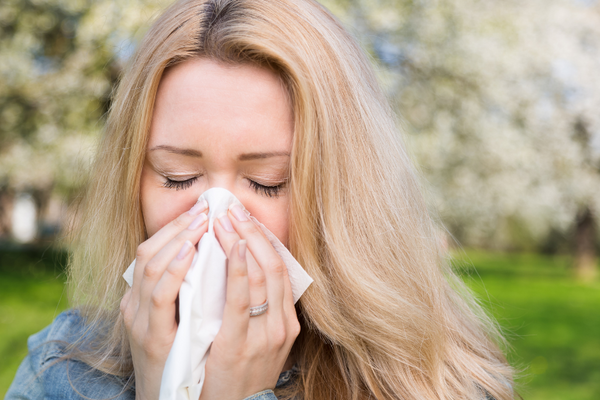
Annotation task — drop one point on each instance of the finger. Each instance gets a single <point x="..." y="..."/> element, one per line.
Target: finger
<point x="147" y="250"/>
<point x="265" y="255"/>
<point x="236" y="315"/>
<point x="225" y="233"/>
<point x="124" y="308"/>
<point x="156" y="267"/>
<point x="256" y="277"/>
<point x="161" y="318"/>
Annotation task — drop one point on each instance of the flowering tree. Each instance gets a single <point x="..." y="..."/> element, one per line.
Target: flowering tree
<point x="59" y="62"/>
<point x="500" y="100"/>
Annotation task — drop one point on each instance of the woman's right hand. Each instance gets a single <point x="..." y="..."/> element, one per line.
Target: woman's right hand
<point x="149" y="306"/>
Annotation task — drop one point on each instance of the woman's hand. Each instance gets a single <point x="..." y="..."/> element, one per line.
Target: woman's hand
<point x="249" y="353"/>
<point x="149" y="308"/>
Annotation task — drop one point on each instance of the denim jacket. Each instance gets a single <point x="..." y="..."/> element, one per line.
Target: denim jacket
<point x="69" y="380"/>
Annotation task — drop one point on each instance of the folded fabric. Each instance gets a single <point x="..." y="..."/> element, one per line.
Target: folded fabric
<point x="202" y="301"/>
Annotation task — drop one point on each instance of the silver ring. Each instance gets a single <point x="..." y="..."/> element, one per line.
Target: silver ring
<point x="259" y="310"/>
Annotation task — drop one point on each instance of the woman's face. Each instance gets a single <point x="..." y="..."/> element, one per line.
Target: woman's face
<point x="218" y="126"/>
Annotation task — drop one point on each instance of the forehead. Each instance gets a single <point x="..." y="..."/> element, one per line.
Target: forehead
<point x="204" y="102"/>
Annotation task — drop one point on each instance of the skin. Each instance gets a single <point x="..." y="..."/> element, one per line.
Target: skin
<point x="215" y="126"/>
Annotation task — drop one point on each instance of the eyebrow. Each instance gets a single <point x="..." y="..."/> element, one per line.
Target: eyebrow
<point x="198" y="154"/>
<point x="178" y="150"/>
<point x="256" y="156"/>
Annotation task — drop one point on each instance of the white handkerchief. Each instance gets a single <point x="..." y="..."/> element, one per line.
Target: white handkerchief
<point x="202" y="301"/>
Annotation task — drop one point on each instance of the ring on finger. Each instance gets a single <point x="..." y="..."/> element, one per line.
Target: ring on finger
<point x="259" y="310"/>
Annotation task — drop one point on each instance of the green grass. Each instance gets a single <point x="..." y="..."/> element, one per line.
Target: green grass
<point x="31" y="295"/>
<point x="551" y="321"/>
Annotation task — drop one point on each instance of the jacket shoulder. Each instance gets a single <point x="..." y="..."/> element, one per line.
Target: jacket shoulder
<point x="50" y="343"/>
<point x="46" y="374"/>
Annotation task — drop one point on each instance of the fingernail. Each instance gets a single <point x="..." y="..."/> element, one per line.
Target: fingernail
<point x="198" y="207"/>
<point x="225" y="222"/>
<point x="200" y="219"/>
<point x="238" y="213"/>
<point x="242" y="249"/>
<point x="185" y="249"/>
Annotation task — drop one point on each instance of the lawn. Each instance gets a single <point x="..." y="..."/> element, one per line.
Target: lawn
<point x="31" y="295"/>
<point x="552" y="321"/>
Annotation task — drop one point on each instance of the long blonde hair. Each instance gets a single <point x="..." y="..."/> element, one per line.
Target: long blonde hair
<point x="386" y="317"/>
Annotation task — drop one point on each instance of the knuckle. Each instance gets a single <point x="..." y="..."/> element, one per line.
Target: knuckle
<point x="181" y="222"/>
<point x="127" y="319"/>
<point x="238" y="272"/>
<point x="124" y="302"/>
<point x="277" y="267"/>
<point x="126" y="312"/>
<point x="294" y="328"/>
<point x="152" y="270"/>
<point x="176" y="270"/>
<point x="257" y="280"/>
<point x="248" y="229"/>
<point x="142" y="251"/>
<point x="158" y="299"/>
<point x="240" y="303"/>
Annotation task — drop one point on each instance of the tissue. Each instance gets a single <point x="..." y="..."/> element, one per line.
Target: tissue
<point x="202" y="301"/>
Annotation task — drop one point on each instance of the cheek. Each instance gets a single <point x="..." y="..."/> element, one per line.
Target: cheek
<point x="159" y="205"/>
<point x="272" y="214"/>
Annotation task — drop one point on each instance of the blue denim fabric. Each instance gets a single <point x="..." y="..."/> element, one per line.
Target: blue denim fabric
<point x="40" y="376"/>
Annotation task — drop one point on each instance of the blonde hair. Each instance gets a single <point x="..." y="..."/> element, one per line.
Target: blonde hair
<point x="386" y="317"/>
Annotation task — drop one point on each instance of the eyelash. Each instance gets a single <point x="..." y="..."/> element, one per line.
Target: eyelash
<point x="180" y="185"/>
<point x="268" y="191"/>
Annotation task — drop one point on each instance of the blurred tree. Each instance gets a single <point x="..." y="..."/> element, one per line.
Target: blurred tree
<point x="501" y="103"/>
<point x="500" y="100"/>
<point x="58" y="63"/>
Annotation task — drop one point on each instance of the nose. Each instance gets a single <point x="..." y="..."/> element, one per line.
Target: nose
<point x="221" y="180"/>
<point x="230" y="182"/>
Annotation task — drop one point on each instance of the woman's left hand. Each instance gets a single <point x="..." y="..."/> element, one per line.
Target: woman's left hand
<point x="249" y="353"/>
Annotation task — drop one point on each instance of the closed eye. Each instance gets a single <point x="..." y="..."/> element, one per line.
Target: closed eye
<point x="268" y="191"/>
<point x="179" y="185"/>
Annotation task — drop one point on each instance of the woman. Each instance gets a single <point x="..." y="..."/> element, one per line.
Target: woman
<point x="275" y="102"/>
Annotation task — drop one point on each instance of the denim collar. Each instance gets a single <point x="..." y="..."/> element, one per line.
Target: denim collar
<point x="286" y="376"/>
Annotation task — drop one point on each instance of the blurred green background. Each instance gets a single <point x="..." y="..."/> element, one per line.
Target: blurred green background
<point x="499" y="106"/>
<point x="549" y="318"/>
